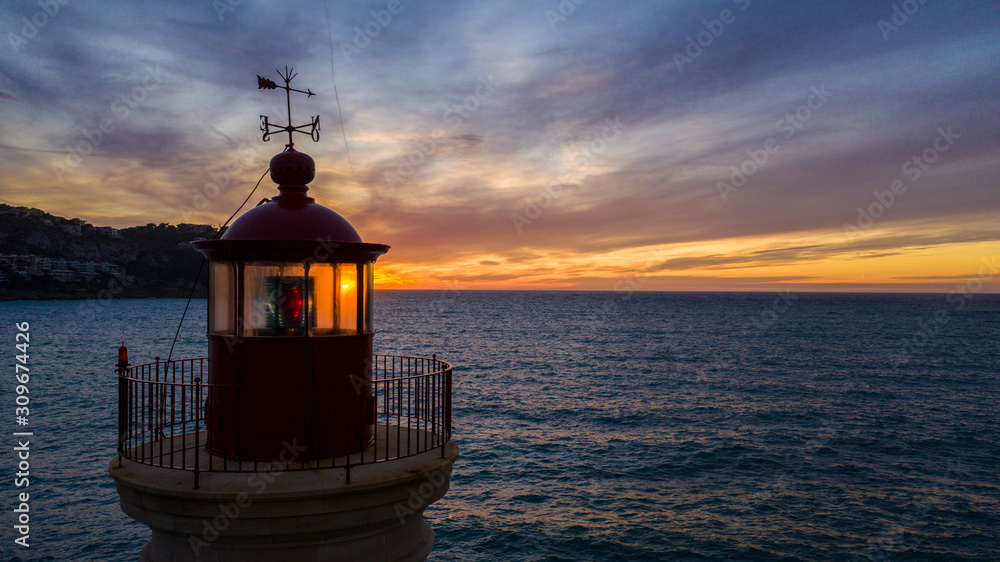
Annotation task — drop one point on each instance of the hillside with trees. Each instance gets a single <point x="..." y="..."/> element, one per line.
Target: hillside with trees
<point x="43" y="256"/>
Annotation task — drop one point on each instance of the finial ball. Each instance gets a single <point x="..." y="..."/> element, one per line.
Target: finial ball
<point x="292" y="168"/>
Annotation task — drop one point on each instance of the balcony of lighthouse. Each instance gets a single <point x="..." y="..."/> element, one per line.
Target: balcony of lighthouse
<point x="166" y="408"/>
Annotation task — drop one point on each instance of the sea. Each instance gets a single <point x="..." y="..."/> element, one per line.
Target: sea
<point x="602" y="425"/>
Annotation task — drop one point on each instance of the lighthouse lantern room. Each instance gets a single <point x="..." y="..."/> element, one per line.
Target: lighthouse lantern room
<point x="290" y="326"/>
<point x="290" y="440"/>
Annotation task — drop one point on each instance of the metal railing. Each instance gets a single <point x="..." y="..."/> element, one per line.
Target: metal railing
<point x="162" y="421"/>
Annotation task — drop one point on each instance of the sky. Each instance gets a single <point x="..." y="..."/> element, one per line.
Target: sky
<point x="729" y="145"/>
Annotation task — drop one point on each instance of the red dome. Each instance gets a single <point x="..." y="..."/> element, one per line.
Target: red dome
<point x="279" y="220"/>
<point x="292" y="215"/>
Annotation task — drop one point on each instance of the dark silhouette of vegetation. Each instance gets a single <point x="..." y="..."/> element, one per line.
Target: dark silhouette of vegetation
<point x="154" y="260"/>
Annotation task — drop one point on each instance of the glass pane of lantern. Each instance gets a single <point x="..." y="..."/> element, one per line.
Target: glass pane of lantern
<point x="274" y="299"/>
<point x="223" y="292"/>
<point x="322" y="280"/>
<point x="347" y="298"/>
<point x="369" y="294"/>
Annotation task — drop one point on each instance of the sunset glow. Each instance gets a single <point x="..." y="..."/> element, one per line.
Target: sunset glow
<point x="598" y="152"/>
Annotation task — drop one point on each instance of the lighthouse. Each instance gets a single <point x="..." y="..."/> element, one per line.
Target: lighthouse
<point x="290" y="439"/>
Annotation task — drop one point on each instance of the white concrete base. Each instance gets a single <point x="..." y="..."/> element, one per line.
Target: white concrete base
<point x="164" y="547"/>
<point x="280" y="516"/>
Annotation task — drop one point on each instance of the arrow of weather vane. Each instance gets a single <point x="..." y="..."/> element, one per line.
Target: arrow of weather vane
<point x="311" y="128"/>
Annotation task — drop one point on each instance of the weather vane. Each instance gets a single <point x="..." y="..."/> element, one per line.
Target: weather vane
<point x="265" y="126"/>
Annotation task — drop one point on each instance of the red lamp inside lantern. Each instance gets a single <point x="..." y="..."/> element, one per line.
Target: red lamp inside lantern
<point x="285" y="304"/>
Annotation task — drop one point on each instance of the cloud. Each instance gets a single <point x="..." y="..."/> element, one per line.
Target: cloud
<point x="536" y="143"/>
